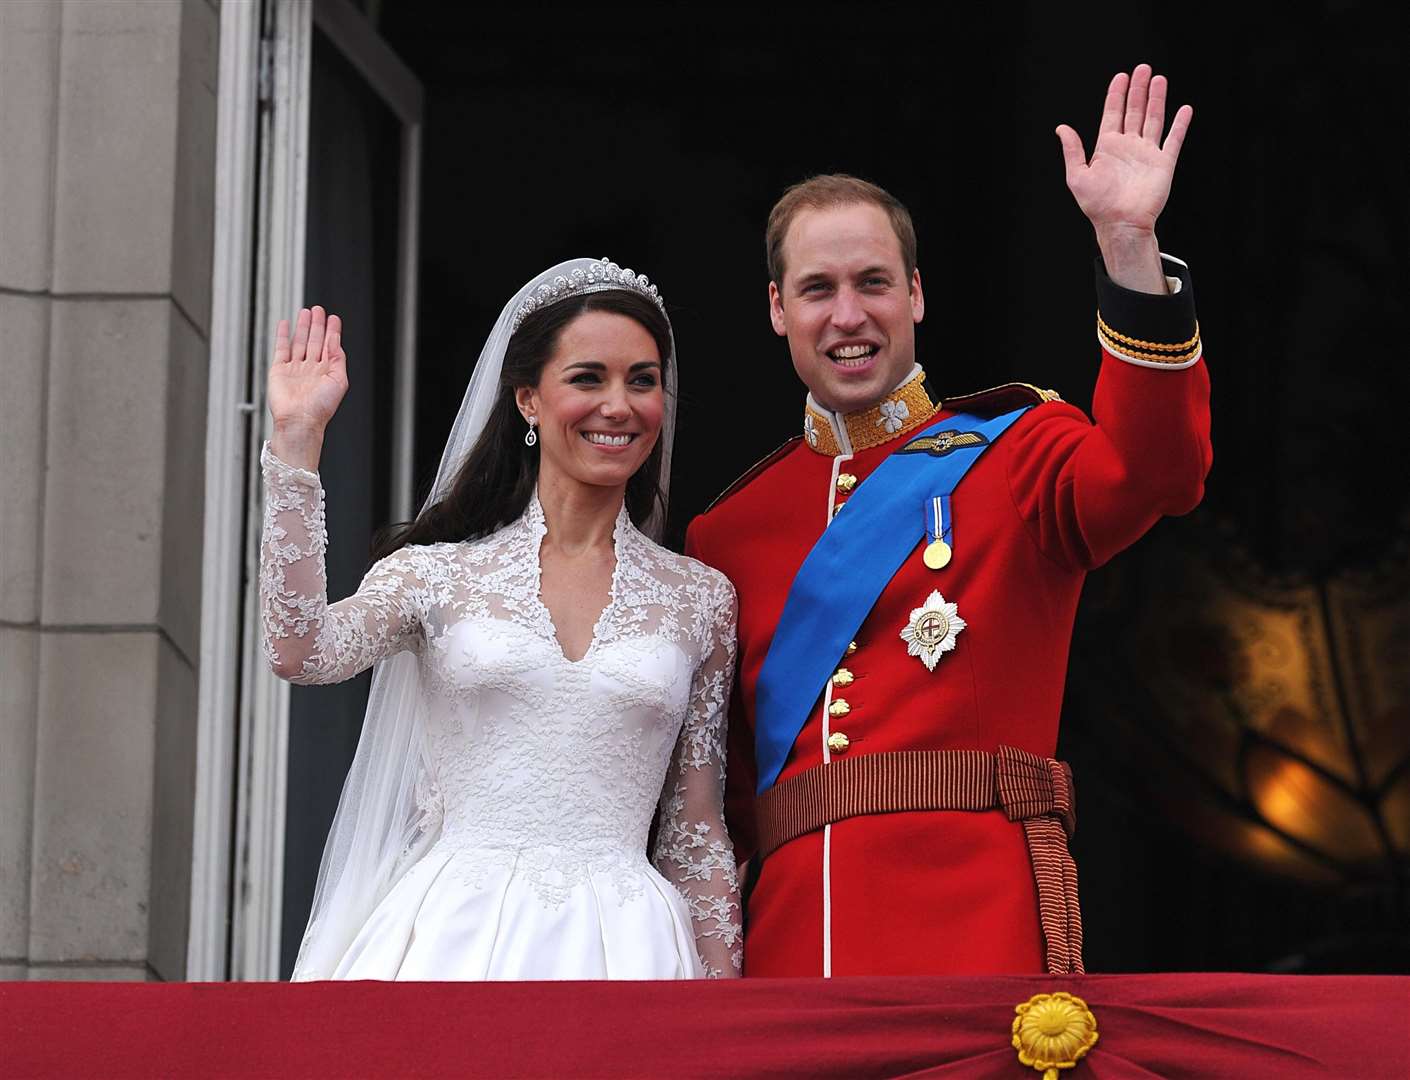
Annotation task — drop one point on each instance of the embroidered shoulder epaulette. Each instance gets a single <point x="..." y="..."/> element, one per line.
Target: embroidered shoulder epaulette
<point x="1000" y="399"/>
<point x="753" y="471"/>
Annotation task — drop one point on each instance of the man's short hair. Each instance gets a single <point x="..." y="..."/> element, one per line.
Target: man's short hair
<point x="825" y="193"/>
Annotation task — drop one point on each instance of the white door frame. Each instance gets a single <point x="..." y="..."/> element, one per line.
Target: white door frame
<point x="227" y="449"/>
<point x="262" y="150"/>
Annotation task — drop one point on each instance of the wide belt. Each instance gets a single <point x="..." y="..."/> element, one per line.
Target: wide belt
<point x="1029" y="789"/>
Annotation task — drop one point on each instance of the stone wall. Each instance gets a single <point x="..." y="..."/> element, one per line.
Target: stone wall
<point x="107" y="151"/>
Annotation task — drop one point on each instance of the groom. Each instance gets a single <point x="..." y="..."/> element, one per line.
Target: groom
<point x="908" y="573"/>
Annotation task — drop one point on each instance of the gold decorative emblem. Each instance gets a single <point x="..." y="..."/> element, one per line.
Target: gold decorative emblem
<point x="1052" y="1032"/>
<point x="932" y="630"/>
<point x="943" y="443"/>
<point x="1044" y="396"/>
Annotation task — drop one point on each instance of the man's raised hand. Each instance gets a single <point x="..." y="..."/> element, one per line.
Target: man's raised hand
<point x="307" y="381"/>
<point x="1125" y="185"/>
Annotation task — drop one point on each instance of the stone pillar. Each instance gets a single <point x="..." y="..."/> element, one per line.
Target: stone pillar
<point x="107" y="150"/>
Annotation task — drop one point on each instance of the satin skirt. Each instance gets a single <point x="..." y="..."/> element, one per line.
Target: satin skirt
<point x="463" y="914"/>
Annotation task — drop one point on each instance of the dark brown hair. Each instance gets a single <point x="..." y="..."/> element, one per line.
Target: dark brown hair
<point x="824" y="193"/>
<point x="493" y="486"/>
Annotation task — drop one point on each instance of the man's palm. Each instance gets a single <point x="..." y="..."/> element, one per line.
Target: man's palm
<point x="1127" y="180"/>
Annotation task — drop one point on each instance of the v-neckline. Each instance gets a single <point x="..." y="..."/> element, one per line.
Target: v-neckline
<point x="538" y="523"/>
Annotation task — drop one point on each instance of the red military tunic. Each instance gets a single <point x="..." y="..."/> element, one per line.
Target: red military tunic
<point x="1054" y="496"/>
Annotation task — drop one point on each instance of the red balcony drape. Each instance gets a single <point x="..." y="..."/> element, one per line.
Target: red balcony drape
<point x="1183" y="1025"/>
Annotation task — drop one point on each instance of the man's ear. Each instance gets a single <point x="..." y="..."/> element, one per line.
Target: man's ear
<point x="527" y="398"/>
<point x="917" y="297"/>
<point x="776" y="310"/>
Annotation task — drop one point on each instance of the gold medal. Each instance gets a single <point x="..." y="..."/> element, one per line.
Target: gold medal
<point x="937" y="555"/>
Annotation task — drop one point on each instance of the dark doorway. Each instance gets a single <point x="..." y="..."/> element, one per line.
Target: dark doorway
<point x="350" y="269"/>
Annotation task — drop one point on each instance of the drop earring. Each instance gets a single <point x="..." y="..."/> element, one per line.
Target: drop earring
<point x="531" y="436"/>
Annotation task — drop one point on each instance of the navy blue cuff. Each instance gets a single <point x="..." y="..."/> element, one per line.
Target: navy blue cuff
<point x="1145" y="327"/>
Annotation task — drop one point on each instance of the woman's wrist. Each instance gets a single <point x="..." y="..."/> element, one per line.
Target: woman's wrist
<point x="297" y="444"/>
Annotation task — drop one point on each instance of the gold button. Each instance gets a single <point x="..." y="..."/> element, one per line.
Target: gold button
<point x="843" y="677"/>
<point x="838" y="742"/>
<point x="851" y="648"/>
<point x="846" y="482"/>
<point x="839" y="707"/>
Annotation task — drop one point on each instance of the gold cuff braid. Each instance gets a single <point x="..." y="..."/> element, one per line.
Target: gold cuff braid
<point x="1154" y="352"/>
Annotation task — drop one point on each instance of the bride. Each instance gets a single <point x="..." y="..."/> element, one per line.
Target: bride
<point x="548" y="678"/>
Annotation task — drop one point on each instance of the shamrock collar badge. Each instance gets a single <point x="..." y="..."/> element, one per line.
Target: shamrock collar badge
<point x="894" y="415"/>
<point x="932" y="630"/>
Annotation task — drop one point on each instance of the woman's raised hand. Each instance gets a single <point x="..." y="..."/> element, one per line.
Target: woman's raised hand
<point x="307" y="381"/>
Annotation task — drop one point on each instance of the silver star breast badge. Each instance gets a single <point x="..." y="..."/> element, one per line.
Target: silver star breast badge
<point x="932" y="630"/>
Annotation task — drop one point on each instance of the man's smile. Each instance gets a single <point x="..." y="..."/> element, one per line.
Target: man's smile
<point x="853" y="354"/>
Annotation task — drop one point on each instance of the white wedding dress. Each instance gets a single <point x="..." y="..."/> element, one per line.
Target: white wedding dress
<point x="544" y="774"/>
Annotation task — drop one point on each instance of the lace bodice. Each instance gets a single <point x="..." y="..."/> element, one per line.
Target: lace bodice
<point x="555" y="764"/>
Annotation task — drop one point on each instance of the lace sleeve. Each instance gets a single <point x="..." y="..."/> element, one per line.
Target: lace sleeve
<point x="693" y="850"/>
<point x="305" y="639"/>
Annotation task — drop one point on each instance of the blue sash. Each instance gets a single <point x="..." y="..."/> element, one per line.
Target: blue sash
<point x="847" y="570"/>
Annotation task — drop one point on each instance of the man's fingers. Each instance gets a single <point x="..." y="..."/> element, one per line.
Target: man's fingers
<point x="1115" y="104"/>
<point x="1136" y="100"/>
<point x="1155" y="112"/>
<point x="1073" y="156"/>
<point x="300" y="342"/>
<point x="281" y="342"/>
<point x="316" y="331"/>
<point x="333" y="343"/>
<point x="1178" y="127"/>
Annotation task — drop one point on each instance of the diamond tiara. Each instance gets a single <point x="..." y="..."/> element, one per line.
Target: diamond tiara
<point x="601" y="276"/>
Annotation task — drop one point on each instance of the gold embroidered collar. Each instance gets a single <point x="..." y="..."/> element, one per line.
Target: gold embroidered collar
<point x="904" y="409"/>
